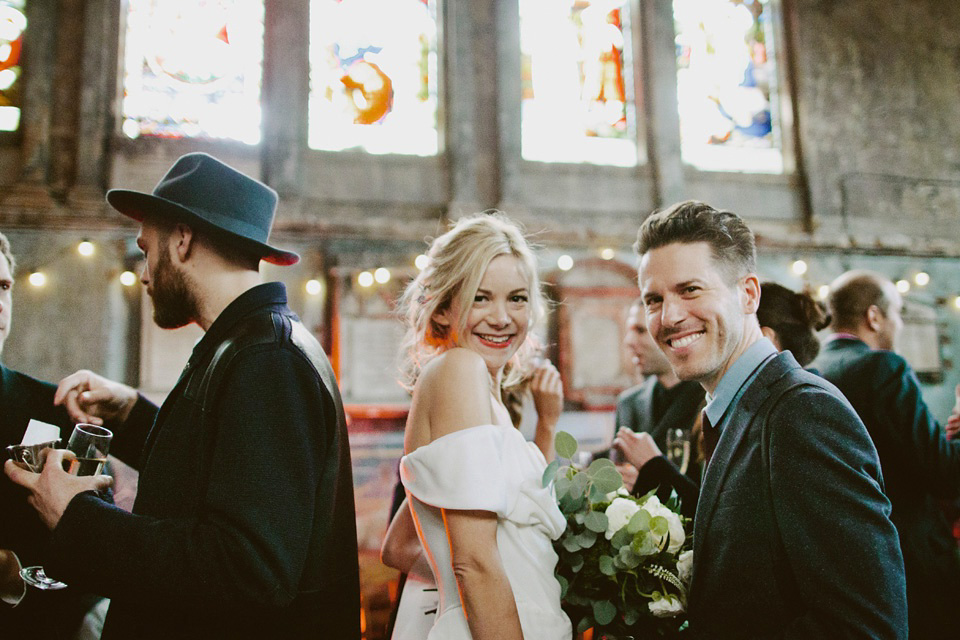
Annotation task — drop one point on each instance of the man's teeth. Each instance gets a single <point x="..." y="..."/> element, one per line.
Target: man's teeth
<point x="680" y="343"/>
<point x="499" y="339"/>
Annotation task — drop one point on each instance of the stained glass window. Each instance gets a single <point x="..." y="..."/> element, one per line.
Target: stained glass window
<point x="727" y="85"/>
<point x="193" y="68"/>
<point x="373" y="76"/>
<point x="13" y="23"/>
<point x="577" y="100"/>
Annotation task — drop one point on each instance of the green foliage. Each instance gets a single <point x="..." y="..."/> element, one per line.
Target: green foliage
<point x="608" y="583"/>
<point x="566" y="445"/>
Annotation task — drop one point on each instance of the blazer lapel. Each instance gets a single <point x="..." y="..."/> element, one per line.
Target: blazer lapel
<point x="733" y="433"/>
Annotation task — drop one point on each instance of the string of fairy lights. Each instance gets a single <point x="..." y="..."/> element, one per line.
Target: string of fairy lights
<point x="919" y="279"/>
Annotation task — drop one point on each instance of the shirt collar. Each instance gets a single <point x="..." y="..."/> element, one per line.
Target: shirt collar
<point x="736" y="378"/>
<point x="262" y="295"/>
<point x="843" y="336"/>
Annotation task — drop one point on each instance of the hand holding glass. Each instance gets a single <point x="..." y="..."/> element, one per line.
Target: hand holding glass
<point x="89" y="445"/>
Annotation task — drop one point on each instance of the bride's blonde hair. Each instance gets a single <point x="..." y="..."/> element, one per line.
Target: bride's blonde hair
<point x="457" y="262"/>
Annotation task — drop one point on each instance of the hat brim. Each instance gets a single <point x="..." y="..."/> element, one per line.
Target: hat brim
<point x="139" y="205"/>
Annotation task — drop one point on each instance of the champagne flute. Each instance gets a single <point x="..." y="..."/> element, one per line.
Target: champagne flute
<point x="678" y="448"/>
<point x="89" y="444"/>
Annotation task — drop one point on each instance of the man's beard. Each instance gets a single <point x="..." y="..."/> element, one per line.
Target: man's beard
<point x="174" y="303"/>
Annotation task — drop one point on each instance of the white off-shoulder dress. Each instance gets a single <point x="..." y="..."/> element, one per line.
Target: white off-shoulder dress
<point x="490" y="468"/>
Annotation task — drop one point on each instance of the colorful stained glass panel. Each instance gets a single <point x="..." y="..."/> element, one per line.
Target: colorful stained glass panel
<point x="727" y="85"/>
<point x="13" y="24"/>
<point x="577" y="100"/>
<point x="193" y="69"/>
<point x="373" y="76"/>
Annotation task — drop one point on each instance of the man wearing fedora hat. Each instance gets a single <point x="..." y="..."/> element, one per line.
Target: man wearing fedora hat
<point x="244" y="521"/>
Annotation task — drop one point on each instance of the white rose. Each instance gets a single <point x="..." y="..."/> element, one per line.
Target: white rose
<point x="654" y="507"/>
<point x="618" y="515"/>
<point x="685" y="566"/>
<point x="666" y="607"/>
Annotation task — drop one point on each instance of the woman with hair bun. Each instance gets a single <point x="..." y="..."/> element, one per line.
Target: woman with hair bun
<point x="473" y="486"/>
<point x="791" y="319"/>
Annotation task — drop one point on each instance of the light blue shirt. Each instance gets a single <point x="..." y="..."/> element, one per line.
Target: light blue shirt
<point x="736" y="380"/>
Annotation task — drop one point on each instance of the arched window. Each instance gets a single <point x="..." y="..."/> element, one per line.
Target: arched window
<point x="577" y="82"/>
<point x="374" y="76"/>
<point x="13" y="24"/>
<point x="193" y="69"/>
<point x="727" y="85"/>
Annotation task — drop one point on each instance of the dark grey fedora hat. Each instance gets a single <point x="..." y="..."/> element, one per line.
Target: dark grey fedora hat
<point x="199" y="189"/>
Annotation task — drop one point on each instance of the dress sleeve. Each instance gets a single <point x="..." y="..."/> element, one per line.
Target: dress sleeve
<point x="485" y="468"/>
<point x="461" y="470"/>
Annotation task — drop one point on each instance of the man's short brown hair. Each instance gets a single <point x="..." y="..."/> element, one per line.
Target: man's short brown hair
<point x="731" y="241"/>
<point x="852" y="294"/>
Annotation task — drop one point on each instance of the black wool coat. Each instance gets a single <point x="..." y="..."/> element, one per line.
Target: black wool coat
<point x="244" y="521"/>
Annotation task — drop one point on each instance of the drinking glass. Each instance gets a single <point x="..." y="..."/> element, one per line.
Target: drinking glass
<point x="678" y="448"/>
<point x="89" y="444"/>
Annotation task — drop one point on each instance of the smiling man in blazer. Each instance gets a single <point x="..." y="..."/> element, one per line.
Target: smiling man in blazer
<point x="792" y="535"/>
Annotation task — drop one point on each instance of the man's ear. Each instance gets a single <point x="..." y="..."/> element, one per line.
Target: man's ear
<point x="750" y="290"/>
<point x="182" y="240"/>
<point x="874" y="318"/>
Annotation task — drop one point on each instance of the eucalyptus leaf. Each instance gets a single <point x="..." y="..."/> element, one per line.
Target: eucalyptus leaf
<point x="565" y="444"/>
<point x="564" y="585"/>
<point x="585" y="623"/>
<point x="596" y="521"/>
<point x="629" y="558"/>
<point x="639" y="521"/>
<point x="562" y="487"/>
<point x="572" y="505"/>
<point x="571" y="544"/>
<point x="606" y="566"/>
<point x="659" y="525"/>
<point x="579" y="485"/>
<point x="608" y="479"/>
<point x="576" y="563"/>
<point x="599" y="463"/>
<point x="580" y="517"/>
<point x="550" y="473"/>
<point x="643" y="545"/>
<point x="604" y="611"/>
<point x="621" y="538"/>
<point x="596" y="495"/>
<point x="630" y="616"/>
<point x="586" y="539"/>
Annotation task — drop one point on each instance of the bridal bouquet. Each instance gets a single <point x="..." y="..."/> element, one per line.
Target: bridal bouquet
<point x="625" y="562"/>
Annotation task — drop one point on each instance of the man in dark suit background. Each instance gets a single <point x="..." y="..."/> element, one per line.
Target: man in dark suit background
<point x="792" y="535"/>
<point x="24" y="611"/>
<point x="920" y="465"/>
<point x="647" y="412"/>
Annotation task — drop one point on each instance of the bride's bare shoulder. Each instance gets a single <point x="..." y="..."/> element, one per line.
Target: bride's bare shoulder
<point x="454" y="392"/>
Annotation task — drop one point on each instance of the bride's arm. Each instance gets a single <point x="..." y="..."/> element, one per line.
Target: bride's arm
<point x="484" y="589"/>
<point x="459" y="392"/>
<point x="401" y="546"/>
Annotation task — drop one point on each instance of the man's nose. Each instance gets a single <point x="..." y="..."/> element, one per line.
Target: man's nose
<point x="672" y="313"/>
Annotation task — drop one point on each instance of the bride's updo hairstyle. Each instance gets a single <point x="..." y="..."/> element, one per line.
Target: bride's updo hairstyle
<point x="457" y="262"/>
